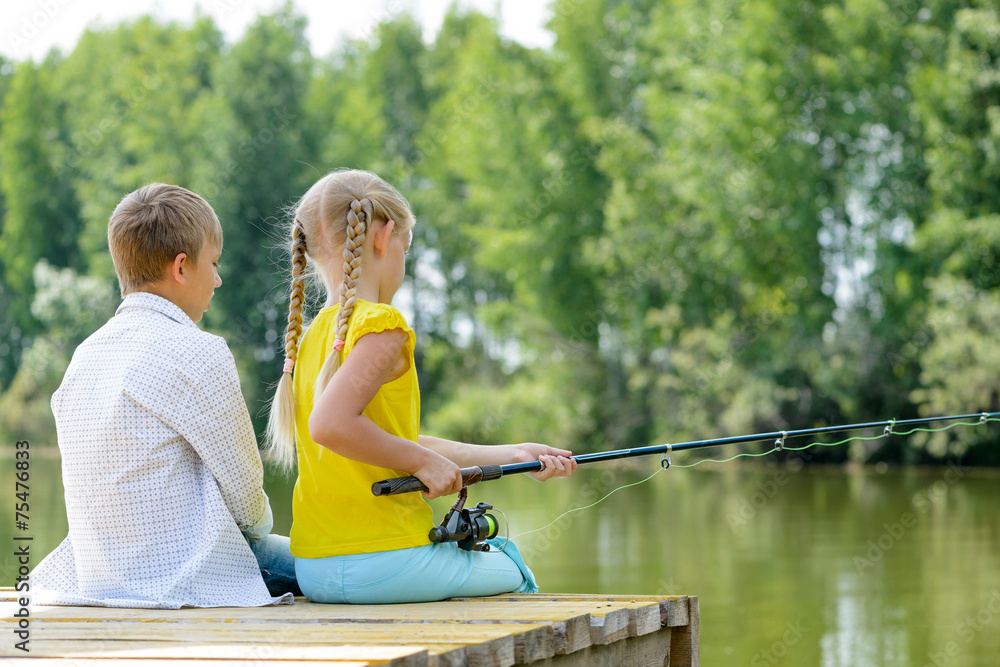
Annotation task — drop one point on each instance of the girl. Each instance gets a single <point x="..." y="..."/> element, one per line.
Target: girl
<point x="348" y="397"/>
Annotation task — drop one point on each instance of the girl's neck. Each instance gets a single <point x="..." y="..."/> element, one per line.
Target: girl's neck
<point x="364" y="291"/>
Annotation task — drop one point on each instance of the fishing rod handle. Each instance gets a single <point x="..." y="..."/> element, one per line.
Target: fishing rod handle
<point x="397" y="485"/>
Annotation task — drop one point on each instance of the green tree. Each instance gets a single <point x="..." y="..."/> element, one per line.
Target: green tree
<point x="263" y="81"/>
<point x="957" y="99"/>
<point x="69" y="307"/>
<point x="9" y="350"/>
<point x="40" y="216"/>
<point x="507" y="233"/>
<point x="685" y="219"/>
<point x="708" y="259"/>
<point x="141" y="94"/>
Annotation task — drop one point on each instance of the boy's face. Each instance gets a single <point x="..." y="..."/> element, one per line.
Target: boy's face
<point x="202" y="279"/>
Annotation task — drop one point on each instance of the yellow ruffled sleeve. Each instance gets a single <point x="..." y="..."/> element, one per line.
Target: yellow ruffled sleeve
<point x="376" y="318"/>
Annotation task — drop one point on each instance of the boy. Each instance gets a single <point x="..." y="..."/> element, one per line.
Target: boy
<point x="160" y="463"/>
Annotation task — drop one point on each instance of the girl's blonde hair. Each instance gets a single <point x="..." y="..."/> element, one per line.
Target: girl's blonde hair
<point x="331" y="221"/>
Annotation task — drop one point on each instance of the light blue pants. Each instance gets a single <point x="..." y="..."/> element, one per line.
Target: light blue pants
<point x="418" y="574"/>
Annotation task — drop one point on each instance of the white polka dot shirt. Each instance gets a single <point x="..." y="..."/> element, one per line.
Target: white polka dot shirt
<point x="160" y="467"/>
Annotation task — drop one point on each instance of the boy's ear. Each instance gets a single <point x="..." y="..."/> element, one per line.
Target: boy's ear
<point x="176" y="269"/>
<point x="381" y="236"/>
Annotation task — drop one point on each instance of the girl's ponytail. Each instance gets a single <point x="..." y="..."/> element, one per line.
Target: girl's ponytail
<point x="280" y="439"/>
<point x="359" y="217"/>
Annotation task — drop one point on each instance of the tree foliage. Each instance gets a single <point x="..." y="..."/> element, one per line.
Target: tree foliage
<point x="684" y="219"/>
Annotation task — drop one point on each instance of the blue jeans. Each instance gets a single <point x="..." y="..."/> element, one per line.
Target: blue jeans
<point x="277" y="565"/>
<point x="418" y="574"/>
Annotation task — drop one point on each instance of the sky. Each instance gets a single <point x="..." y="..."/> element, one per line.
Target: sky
<point x="29" y="28"/>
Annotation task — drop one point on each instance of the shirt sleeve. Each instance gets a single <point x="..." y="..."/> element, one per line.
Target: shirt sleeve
<point x="381" y="318"/>
<point x="218" y="427"/>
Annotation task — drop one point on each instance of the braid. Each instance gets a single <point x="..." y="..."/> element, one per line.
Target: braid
<point x="280" y="439"/>
<point x="294" y="330"/>
<point x="359" y="217"/>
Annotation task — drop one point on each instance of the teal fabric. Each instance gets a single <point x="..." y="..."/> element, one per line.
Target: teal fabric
<point x="529" y="585"/>
<point x="419" y="574"/>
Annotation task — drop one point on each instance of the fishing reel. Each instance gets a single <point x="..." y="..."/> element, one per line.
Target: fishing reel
<point x="469" y="527"/>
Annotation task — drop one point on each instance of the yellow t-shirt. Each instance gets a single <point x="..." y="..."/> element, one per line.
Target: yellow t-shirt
<point x="333" y="509"/>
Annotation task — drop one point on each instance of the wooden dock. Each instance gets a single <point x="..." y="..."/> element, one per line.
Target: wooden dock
<point x="542" y="630"/>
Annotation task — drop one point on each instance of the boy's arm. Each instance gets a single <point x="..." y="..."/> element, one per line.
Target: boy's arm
<point x="218" y="426"/>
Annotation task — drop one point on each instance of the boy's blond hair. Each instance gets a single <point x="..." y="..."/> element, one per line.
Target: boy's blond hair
<point x="151" y="226"/>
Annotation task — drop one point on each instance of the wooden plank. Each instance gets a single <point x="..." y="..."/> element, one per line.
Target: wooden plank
<point x="609" y="627"/>
<point x="651" y="650"/>
<point x="527" y="641"/>
<point x="137" y="662"/>
<point x="500" y="653"/>
<point x="537" y="644"/>
<point x="685" y="644"/>
<point x="298" y="633"/>
<point x="394" y="656"/>
<point x="454" y="655"/>
<point x="677" y="612"/>
<point x="456" y="611"/>
<point x="609" y="620"/>
<point x="673" y="608"/>
<point x="643" y="620"/>
<point x="489" y="645"/>
<point x="537" y="628"/>
<point x="570" y="630"/>
<point x="645" y="612"/>
<point x="564" y="597"/>
<point x="501" y="607"/>
<point x="572" y="634"/>
<point x="562" y="613"/>
<point x="644" y="616"/>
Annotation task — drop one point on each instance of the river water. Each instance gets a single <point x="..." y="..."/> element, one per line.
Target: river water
<point x="813" y="566"/>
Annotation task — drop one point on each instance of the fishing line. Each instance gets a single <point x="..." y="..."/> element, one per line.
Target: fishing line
<point x="586" y="507"/>
<point x="779" y="446"/>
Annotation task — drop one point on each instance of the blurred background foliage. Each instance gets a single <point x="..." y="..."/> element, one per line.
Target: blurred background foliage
<point x="687" y="218"/>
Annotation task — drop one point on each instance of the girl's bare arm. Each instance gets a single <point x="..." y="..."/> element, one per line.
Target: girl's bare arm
<point x="556" y="462"/>
<point x="338" y="424"/>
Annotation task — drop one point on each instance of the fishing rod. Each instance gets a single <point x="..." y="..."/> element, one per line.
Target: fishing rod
<point x="475" y="474"/>
<point x="471" y="528"/>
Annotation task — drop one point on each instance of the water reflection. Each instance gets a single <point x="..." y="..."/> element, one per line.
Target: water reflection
<point x="819" y="566"/>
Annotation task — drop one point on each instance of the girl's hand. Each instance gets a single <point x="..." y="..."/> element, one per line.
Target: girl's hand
<point x="555" y="462"/>
<point x="440" y="476"/>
